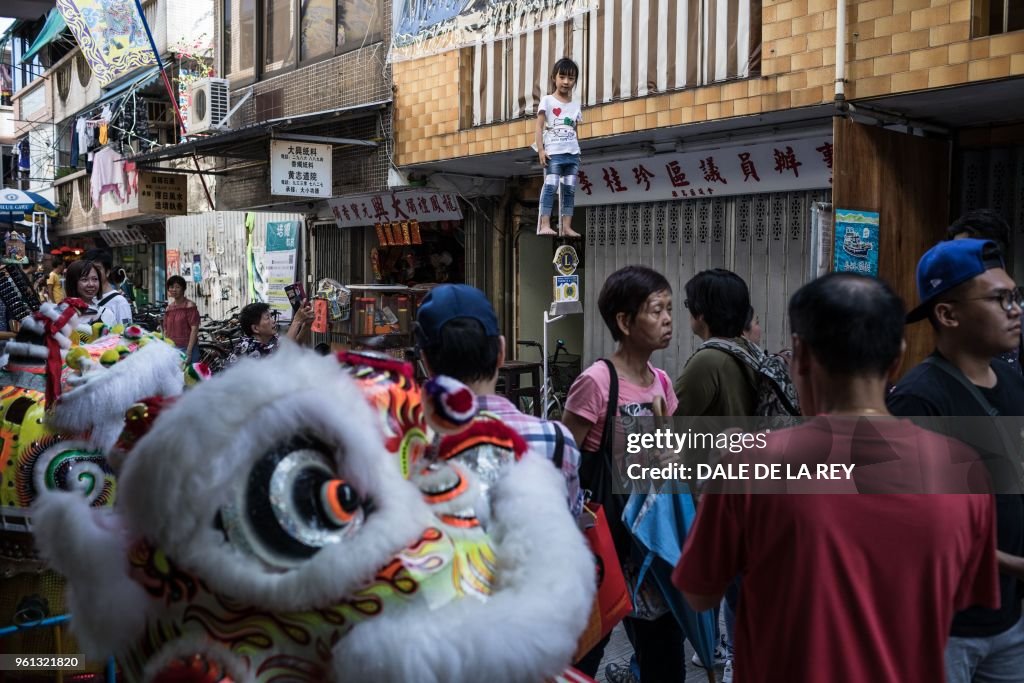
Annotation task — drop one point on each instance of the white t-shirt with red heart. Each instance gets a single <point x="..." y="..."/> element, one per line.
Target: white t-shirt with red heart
<point x="560" y="121"/>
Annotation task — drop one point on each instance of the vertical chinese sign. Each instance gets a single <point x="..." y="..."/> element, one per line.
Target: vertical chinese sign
<point x="856" y="242"/>
<point x="280" y="259"/>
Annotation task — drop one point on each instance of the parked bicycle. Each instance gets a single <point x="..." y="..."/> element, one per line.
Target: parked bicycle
<point x="151" y="316"/>
<point x="563" y="369"/>
<point x="217" y="339"/>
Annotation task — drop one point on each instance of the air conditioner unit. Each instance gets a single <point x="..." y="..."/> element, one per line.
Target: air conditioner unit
<point x="210" y="103"/>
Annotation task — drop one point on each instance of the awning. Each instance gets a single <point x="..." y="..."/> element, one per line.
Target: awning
<point x="140" y="80"/>
<point x="6" y="37"/>
<point x="52" y="28"/>
<point x="252" y="142"/>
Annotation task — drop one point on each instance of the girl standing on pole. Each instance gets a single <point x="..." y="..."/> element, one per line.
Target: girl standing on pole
<point x="558" y="147"/>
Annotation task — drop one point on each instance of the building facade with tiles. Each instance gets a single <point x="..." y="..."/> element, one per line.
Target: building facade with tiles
<point x="54" y="87"/>
<point x="929" y="125"/>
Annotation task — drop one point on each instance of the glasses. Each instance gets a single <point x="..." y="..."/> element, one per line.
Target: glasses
<point x="1007" y="298"/>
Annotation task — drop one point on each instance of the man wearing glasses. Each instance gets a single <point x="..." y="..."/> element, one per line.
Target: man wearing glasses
<point x="974" y="307"/>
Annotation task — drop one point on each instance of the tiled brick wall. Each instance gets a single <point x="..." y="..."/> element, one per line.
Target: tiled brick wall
<point x="893" y="46"/>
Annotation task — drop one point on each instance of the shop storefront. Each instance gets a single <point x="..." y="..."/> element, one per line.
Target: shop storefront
<point x="386" y="250"/>
<point x="749" y="208"/>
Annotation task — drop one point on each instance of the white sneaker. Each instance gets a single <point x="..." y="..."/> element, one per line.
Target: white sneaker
<point x="719" y="657"/>
<point x="727" y="673"/>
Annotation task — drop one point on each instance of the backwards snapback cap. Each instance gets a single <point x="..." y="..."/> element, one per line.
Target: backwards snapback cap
<point x="448" y="302"/>
<point x="949" y="264"/>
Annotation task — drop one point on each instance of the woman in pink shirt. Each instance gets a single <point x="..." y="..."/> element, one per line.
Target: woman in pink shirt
<point x="181" y="319"/>
<point x="636" y="304"/>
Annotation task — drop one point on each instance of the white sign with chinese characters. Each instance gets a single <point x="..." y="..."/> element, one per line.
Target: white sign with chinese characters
<point x="783" y="166"/>
<point x="300" y="169"/>
<point x="425" y="206"/>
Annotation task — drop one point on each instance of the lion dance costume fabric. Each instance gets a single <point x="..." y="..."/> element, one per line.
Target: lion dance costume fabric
<point x="308" y="518"/>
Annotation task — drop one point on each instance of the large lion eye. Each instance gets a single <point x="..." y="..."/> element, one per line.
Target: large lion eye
<point x="292" y="505"/>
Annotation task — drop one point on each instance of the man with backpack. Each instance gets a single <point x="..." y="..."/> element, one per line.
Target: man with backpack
<point x="974" y="308"/>
<point x="728" y="376"/>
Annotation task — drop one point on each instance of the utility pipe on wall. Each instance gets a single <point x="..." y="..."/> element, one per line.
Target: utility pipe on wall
<point x="840" y="98"/>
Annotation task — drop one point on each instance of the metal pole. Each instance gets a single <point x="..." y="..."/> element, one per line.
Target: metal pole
<point x="544" y="378"/>
<point x="174" y="99"/>
<point x="49" y="621"/>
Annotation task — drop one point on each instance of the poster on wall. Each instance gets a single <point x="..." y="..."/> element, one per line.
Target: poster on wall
<point x="300" y="169"/>
<point x="279" y="261"/>
<point x="856" y="242"/>
<point x="197" y="268"/>
<point x="173" y="262"/>
<point x="111" y="35"/>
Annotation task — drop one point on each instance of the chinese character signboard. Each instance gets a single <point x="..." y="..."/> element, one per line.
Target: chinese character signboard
<point x="424" y="206"/>
<point x="300" y="169"/>
<point x="165" y="193"/>
<point x="280" y="260"/>
<point x="856" y="242"/>
<point x="783" y="166"/>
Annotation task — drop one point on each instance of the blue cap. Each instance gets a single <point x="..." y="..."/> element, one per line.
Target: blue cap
<point x="448" y="302"/>
<point x="949" y="264"/>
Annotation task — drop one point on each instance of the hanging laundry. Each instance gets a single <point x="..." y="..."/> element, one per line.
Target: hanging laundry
<point x="24" y="159"/>
<point x="103" y="134"/>
<point x="107" y="175"/>
<point x="74" y="149"/>
<point x="81" y="135"/>
<point x="131" y="179"/>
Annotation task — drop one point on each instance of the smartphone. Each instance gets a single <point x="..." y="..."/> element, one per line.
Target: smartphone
<point x="296" y="295"/>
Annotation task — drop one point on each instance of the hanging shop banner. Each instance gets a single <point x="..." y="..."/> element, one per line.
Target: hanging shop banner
<point x="111" y="34"/>
<point x="424" y="206"/>
<point x="784" y="166"/>
<point x="856" y="242"/>
<point x="300" y="169"/>
<point x="165" y="193"/>
<point x="425" y="27"/>
<point x="280" y="259"/>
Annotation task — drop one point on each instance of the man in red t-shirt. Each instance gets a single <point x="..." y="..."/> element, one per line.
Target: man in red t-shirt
<point x="847" y="588"/>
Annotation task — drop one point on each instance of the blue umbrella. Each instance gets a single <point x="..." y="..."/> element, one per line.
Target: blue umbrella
<point x="25" y="203"/>
<point x="659" y="523"/>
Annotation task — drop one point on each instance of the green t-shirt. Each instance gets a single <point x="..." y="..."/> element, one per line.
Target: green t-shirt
<point x="715" y="383"/>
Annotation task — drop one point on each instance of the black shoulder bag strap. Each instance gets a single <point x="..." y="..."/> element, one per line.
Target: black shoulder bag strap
<point x="954" y="372"/>
<point x="559" y="454"/>
<point x="1012" y="450"/>
<point x="108" y="298"/>
<point x="608" y="434"/>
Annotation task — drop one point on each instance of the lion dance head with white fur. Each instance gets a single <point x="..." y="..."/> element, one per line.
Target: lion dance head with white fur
<point x="297" y="518"/>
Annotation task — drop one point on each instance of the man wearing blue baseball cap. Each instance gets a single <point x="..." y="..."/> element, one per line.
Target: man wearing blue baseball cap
<point x="974" y="307"/>
<point x="458" y="336"/>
